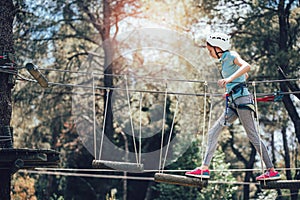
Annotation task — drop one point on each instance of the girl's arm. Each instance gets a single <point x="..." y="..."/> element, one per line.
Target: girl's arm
<point x="244" y="68"/>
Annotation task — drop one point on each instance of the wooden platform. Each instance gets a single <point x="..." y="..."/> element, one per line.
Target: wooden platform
<point x="121" y="166"/>
<point x="280" y="184"/>
<point x="180" y="180"/>
<point x="12" y="160"/>
<point x="28" y="158"/>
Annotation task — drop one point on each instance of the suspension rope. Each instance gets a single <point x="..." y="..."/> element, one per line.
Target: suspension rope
<point x="204" y="122"/>
<point x="163" y="128"/>
<point x="131" y="121"/>
<point x="89" y="175"/>
<point x="124" y="177"/>
<point x="163" y="78"/>
<point x="210" y="113"/>
<point x="94" y="117"/>
<point x="140" y="133"/>
<point x="143" y="91"/>
<point x="151" y="171"/>
<point x="258" y="128"/>
<point x="121" y="177"/>
<point x="171" y="133"/>
<point x="104" y="122"/>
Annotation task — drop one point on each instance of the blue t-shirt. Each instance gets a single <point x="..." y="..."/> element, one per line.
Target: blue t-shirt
<point x="229" y="68"/>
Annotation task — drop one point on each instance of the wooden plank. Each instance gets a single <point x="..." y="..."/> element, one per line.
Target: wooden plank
<point x="121" y="166"/>
<point x="280" y="184"/>
<point x="180" y="180"/>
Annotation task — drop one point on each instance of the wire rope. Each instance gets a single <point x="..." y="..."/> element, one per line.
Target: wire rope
<point x="204" y="121"/>
<point x="153" y="171"/>
<point x="124" y="177"/>
<point x="140" y="132"/>
<point x="258" y="129"/>
<point x="131" y="120"/>
<point x="94" y="117"/>
<point x="163" y="78"/>
<point x="163" y="128"/>
<point x="145" y="91"/>
<point x="104" y="122"/>
<point x="171" y="133"/>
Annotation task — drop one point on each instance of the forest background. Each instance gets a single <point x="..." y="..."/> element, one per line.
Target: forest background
<point x="71" y="39"/>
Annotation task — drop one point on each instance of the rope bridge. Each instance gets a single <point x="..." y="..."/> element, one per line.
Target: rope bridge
<point x="137" y="166"/>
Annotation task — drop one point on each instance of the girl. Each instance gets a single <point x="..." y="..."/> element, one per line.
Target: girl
<point x="239" y="104"/>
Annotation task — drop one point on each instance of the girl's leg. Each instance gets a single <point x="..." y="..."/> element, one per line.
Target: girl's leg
<point x="213" y="135"/>
<point x="247" y="119"/>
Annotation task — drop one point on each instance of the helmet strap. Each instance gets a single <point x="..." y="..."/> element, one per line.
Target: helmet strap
<point x="217" y="53"/>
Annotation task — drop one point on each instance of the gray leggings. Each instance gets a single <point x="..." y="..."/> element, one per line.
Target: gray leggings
<point x="247" y="120"/>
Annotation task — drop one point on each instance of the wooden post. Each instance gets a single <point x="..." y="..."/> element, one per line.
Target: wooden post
<point x="11" y="160"/>
<point x="5" y="177"/>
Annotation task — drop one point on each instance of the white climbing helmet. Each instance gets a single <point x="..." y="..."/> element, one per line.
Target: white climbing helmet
<point x="219" y="40"/>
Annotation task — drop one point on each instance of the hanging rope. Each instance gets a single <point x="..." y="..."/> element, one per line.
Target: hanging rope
<point x="210" y="114"/>
<point x="163" y="128"/>
<point x="204" y="121"/>
<point x="94" y="117"/>
<point x="171" y="133"/>
<point x="258" y="128"/>
<point x="131" y="121"/>
<point x="140" y="135"/>
<point x="104" y="122"/>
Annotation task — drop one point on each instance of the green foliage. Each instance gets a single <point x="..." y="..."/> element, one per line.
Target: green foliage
<point x="56" y="197"/>
<point x="270" y="195"/>
<point x="112" y="195"/>
<point x="59" y="34"/>
<point x="188" y="160"/>
<point x="220" y="191"/>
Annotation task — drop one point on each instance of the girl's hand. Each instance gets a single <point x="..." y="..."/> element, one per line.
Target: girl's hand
<point x="223" y="82"/>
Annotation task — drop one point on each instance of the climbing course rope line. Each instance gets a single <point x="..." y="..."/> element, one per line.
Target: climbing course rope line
<point x="258" y="127"/>
<point x="166" y="92"/>
<point x="140" y="132"/>
<point x="103" y="125"/>
<point x="126" y="177"/>
<point x="157" y="78"/>
<point x="163" y="127"/>
<point x="94" y="118"/>
<point x="204" y="121"/>
<point x="242" y="170"/>
<point x="131" y="120"/>
<point x="22" y="78"/>
<point x="163" y="78"/>
<point x="171" y="133"/>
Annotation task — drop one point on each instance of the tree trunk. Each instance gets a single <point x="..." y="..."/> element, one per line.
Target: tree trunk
<point x="249" y="174"/>
<point x="7" y="11"/>
<point x="283" y="15"/>
<point x="108" y="67"/>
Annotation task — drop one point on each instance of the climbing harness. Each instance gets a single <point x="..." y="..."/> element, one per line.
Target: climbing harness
<point x="248" y="106"/>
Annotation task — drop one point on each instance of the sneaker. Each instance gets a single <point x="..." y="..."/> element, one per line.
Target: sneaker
<point x="199" y="173"/>
<point x="269" y="175"/>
